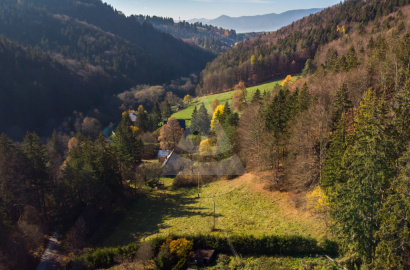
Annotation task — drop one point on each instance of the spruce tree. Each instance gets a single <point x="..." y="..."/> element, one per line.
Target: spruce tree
<point x="204" y="122"/>
<point x="194" y="121"/>
<point x="166" y="111"/>
<point x="394" y="232"/>
<point x="157" y="115"/>
<point x="257" y="96"/>
<point x="342" y="104"/>
<point x="35" y="153"/>
<point x="401" y="119"/>
<point x="334" y="172"/>
<point x="369" y="166"/>
<point x="127" y="142"/>
<point x="278" y="114"/>
<point x="142" y="119"/>
<point x="304" y="99"/>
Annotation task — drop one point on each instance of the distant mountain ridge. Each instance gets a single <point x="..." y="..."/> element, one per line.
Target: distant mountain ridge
<point x="258" y="23"/>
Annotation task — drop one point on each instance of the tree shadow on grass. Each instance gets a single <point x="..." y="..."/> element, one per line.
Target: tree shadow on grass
<point x="147" y="216"/>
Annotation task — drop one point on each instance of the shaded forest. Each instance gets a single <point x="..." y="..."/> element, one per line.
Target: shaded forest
<point x="76" y="55"/>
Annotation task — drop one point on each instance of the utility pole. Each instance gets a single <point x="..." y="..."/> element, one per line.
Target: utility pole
<point x="198" y="184"/>
<point x="214" y="216"/>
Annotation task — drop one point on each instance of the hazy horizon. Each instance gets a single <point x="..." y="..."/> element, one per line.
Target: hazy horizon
<point x="211" y="9"/>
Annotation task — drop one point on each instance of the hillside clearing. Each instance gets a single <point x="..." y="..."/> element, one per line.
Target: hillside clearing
<point x="186" y="113"/>
<point x="242" y="207"/>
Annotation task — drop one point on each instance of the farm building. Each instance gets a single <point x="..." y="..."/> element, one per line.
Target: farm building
<point x="133" y="116"/>
<point x="204" y="256"/>
<point x="174" y="164"/>
<point x="162" y="155"/>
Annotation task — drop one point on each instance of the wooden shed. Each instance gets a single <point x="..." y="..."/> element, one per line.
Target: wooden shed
<point x="204" y="256"/>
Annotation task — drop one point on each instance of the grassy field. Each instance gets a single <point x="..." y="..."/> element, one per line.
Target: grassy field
<point x="222" y="97"/>
<point x="242" y="207"/>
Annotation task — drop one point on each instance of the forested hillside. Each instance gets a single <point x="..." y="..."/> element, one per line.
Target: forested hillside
<point x="206" y="36"/>
<point x="86" y="46"/>
<point x="341" y="132"/>
<point x="287" y="50"/>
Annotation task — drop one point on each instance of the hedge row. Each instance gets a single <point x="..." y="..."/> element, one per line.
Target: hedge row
<point x="286" y="245"/>
<point x="246" y="245"/>
<point x="104" y="257"/>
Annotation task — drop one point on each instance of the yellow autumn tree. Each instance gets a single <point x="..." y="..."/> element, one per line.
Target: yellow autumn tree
<point x="187" y="99"/>
<point x="215" y="117"/>
<point x="205" y="148"/>
<point x="318" y="200"/>
<point x="288" y="80"/>
<point x="253" y="59"/>
<point x="181" y="247"/>
<point x="341" y="29"/>
<point x="135" y="130"/>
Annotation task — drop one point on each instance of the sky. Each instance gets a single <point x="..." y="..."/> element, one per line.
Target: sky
<point x="211" y="9"/>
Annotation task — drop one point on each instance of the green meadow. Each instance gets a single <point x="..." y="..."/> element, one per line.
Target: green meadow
<point x="186" y="113"/>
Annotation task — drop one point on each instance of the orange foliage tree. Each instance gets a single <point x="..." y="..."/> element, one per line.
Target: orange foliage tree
<point x="170" y="134"/>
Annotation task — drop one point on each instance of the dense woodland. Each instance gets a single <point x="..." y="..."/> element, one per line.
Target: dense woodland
<point x="287" y="50"/>
<point x="74" y="56"/>
<point x="338" y="138"/>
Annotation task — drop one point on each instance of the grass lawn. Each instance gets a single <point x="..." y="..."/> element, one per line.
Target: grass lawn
<point x="222" y="97"/>
<point x="242" y="207"/>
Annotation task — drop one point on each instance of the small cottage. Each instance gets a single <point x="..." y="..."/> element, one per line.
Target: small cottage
<point x="163" y="155"/>
<point x="204" y="256"/>
<point x="133" y="116"/>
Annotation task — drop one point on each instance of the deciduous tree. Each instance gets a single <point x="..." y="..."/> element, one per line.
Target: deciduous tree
<point x="170" y="134"/>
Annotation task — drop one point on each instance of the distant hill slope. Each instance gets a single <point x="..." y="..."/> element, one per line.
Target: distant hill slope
<point x="259" y="23"/>
<point x="209" y="37"/>
<point x="87" y="43"/>
<point x="288" y="50"/>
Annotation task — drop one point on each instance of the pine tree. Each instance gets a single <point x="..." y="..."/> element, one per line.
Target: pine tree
<point x="204" y="122"/>
<point x="157" y="115"/>
<point x="394" y="232"/>
<point x="401" y="119"/>
<point x="166" y="110"/>
<point x="369" y="166"/>
<point x="278" y="114"/>
<point x="107" y="169"/>
<point x="334" y="172"/>
<point x="35" y="153"/>
<point x="342" y="104"/>
<point x="225" y="114"/>
<point x="257" y="96"/>
<point x="127" y="142"/>
<point x="351" y="59"/>
<point x="15" y="192"/>
<point x="305" y="99"/>
<point x="142" y="119"/>
<point x="194" y="121"/>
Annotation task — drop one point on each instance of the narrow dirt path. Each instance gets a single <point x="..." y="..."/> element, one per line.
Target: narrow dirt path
<point x="48" y="260"/>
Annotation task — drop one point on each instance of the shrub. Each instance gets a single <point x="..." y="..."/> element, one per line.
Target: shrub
<point x="173" y="254"/>
<point x="104" y="257"/>
<point x="185" y="180"/>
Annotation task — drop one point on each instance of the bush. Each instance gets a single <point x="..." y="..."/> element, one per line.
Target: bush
<point x="104" y="257"/>
<point x="185" y="180"/>
<point x="173" y="254"/>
